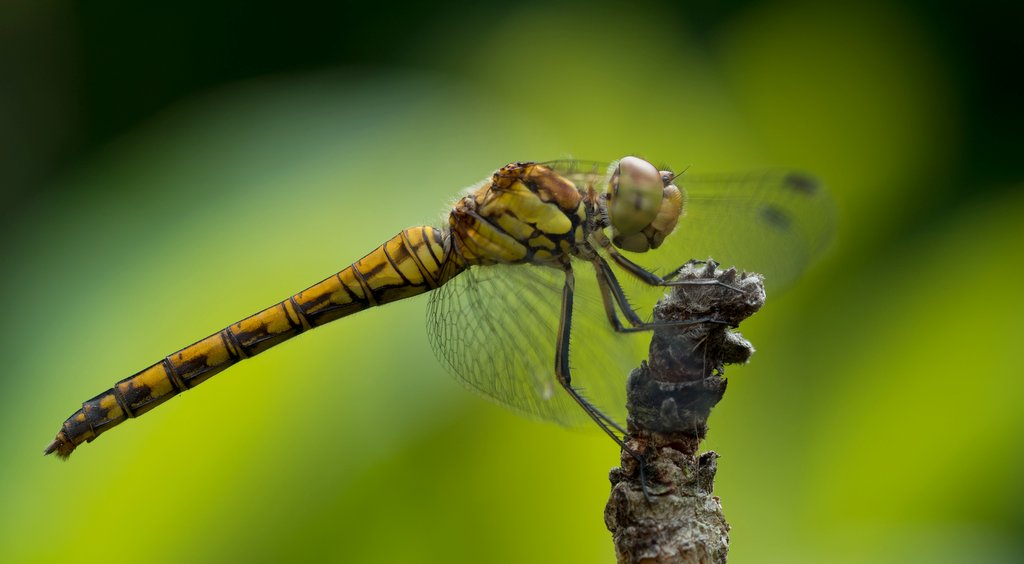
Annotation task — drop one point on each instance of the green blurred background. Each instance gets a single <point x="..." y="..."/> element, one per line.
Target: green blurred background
<point x="167" y="170"/>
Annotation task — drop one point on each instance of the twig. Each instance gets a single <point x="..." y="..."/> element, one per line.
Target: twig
<point x="669" y="399"/>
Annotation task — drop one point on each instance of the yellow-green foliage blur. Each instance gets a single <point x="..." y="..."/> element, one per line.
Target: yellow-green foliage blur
<point x="159" y="185"/>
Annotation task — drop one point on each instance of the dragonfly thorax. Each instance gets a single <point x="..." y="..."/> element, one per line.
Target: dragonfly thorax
<point x="643" y="205"/>
<point x="525" y="213"/>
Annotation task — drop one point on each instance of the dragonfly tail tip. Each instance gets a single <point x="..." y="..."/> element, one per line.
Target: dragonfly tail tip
<point x="61" y="446"/>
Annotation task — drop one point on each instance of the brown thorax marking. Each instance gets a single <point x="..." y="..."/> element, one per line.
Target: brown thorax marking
<point x="526" y="213"/>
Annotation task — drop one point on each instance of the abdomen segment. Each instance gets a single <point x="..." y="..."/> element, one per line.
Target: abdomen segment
<point x="410" y="263"/>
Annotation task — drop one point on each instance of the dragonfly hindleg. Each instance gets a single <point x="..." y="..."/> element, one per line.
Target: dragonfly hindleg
<point x="564" y="376"/>
<point x="563" y="373"/>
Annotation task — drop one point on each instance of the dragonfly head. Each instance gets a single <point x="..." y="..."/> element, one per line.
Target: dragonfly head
<point x="643" y="205"/>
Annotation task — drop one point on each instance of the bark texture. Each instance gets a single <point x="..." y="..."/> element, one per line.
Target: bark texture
<point x="669" y="398"/>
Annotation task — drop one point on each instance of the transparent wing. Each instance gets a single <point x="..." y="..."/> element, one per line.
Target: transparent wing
<point x="775" y="223"/>
<point x="496" y="326"/>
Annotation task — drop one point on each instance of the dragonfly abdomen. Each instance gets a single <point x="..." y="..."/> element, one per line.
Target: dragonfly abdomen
<point x="410" y="263"/>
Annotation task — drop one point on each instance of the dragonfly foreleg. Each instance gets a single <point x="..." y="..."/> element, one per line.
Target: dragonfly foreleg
<point x="653" y="279"/>
<point x="612" y="295"/>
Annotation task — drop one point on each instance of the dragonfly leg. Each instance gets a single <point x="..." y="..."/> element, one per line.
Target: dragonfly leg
<point x="609" y="297"/>
<point x="612" y="294"/>
<point x="653" y="279"/>
<point x="562" y="372"/>
<point x="564" y="376"/>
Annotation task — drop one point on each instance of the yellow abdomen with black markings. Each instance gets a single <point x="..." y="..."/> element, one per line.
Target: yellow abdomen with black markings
<point x="410" y="263"/>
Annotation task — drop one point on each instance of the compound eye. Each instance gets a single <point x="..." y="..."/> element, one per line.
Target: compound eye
<point x="636" y="195"/>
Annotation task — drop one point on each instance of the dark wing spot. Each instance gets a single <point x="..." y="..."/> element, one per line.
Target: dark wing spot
<point x="801" y="183"/>
<point x="776" y="217"/>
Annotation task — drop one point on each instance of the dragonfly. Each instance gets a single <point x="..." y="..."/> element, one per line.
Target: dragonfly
<point x="522" y="256"/>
